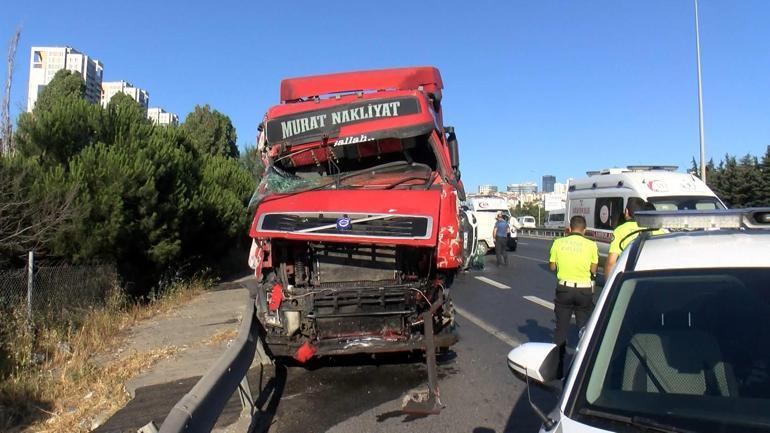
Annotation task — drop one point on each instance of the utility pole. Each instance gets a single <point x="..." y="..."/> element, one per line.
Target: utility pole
<point x="700" y="97"/>
<point x="6" y="127"/>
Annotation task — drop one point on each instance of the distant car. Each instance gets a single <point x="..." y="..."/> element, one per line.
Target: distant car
<point x="527" y="222"/>
<point x="678" y="340"/>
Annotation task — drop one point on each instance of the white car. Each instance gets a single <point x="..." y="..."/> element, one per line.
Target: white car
<point x="527" y="222"/>
<point x="679" y="340"/>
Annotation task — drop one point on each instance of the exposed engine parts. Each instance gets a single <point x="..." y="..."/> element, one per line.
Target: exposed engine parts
<point x="346" y="298"/>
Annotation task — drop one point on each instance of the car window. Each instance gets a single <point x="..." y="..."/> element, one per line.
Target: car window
<point x="685" y="348"/>
<point x="674" y="203"/>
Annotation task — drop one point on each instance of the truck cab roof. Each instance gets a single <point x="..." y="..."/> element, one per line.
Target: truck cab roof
<point x="423" y="78"/>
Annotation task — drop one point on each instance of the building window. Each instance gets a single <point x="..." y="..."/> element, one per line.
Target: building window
<point x="38" y="57"/>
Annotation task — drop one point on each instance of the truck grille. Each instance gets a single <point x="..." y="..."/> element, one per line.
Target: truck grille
<point x="362" y="225"/>
<point x="366" y="311"/>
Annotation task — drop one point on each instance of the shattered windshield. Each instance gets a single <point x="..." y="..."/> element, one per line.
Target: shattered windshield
<point x="379" y="164"/>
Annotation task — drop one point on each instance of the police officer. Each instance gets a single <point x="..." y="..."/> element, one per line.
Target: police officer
<point x="626" y="232"/>
<point x="575" y="260"/>
<point x="500" y="233"/>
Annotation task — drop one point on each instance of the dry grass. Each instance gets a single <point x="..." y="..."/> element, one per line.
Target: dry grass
<point x="56" y="385"/>
<point x="221" y="337"/>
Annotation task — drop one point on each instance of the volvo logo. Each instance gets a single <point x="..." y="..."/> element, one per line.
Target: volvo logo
<point x="343" y="223"/>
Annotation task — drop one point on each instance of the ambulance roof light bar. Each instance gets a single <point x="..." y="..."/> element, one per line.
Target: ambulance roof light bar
<point x="755" y="218"/>
<point x="653" y="167"/>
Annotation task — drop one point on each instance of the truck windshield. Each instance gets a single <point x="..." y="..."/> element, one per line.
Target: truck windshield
<point x="685" y="203"/>
<point x="379" y="164"/>
<point x="688" y="349"/>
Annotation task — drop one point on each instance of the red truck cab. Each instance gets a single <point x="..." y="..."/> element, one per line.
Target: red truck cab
<point x="355" y="230"/>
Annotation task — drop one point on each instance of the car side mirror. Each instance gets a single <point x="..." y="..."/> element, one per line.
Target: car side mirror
<point x="538" y="362"/>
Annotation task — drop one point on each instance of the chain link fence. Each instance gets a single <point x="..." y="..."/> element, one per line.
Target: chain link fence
<point x="55" y="289"/>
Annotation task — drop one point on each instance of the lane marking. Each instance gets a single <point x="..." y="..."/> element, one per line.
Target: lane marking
<point x="523" y="243"/>
<point x="541" y="302"/>
<point x="530" y="258"/>
<point x="491" y="329"/>
<point x="492" y="282"/>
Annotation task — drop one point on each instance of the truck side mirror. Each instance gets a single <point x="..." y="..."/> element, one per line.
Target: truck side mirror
<point x="454" y="150"/>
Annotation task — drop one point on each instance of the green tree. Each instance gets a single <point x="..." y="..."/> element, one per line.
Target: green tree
<point x="749" y="182"/>
<point x="252" y="162"/>
<point x="65" y="84"/>
<point x="124" y="121"/>
<point x="132" y="198"/>
<point x="35" y="203"/>
<point x="764" y="171"/>
<point x="58" y="132"/>
<point x="211" y="132"/>
<point x="62" y="122"/>
<point x="533" y="209"/>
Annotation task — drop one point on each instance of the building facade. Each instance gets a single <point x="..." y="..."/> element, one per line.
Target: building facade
<point x="523" y="188"/>
<point x="160" y="116"/>
<point x="112" y="88"/>
<point x="548" y="183"/>
<point x="45" y="62"/>
<point x="487" y="189"/>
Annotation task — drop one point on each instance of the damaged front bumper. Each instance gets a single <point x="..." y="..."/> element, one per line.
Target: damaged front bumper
<point x="366" y="344"/>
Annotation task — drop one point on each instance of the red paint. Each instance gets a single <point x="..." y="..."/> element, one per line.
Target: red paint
<point x="401" y="202"/>
<point x="305" y="352"/>
<point x="449" y="253"/>
<point x="276" y="296"/>
<point x="396" y="78"/>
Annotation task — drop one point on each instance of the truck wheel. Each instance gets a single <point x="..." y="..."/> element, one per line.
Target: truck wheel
<point x="513" y="244"/>
<point x="482" y="249"/>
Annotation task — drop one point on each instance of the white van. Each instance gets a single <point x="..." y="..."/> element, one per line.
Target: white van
<point x="528" y="221"/>
<point x="555" y="219"/>
<point x="602" y="196"/>
<point x="486" y="209"/>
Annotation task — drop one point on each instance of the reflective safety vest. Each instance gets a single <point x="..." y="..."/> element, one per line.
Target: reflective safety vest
<point x="574" y="255"/>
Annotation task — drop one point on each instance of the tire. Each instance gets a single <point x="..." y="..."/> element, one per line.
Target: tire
<point x="512" y="244"/>
<point x="482" y="248"/>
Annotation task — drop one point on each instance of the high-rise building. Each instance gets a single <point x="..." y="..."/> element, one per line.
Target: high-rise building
<point x="523" y="188"/>
<point x="112" y="88"/>
<point x="487" y="189"/>
<point x="44" y="62"/>
<point x="548" y="183"/>
<point x="160" y="116"/>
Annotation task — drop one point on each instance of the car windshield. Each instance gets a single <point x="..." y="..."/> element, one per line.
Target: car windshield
<point x="689" y="349"/>
<point x="685" y="203"/>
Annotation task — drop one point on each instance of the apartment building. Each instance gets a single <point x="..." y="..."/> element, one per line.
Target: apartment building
<point x="160" y="116"/>
<point x="112" y="88"/>
<point x="44" y="62"/>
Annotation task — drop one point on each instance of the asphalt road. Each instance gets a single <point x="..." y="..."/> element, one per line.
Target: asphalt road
<point x="498" y="308"/>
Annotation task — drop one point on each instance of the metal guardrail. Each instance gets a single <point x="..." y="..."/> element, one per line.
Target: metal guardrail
<point x="541" y="232"/>
<point x="199" y="409"/>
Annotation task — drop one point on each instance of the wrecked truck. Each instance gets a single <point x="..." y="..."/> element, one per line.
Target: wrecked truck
<point x="356" y="235"/>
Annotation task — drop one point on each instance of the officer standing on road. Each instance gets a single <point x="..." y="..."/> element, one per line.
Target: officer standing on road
<point x="500" y="233"/>
<point x="575" y="260"/>
<point x="625" y="233"/>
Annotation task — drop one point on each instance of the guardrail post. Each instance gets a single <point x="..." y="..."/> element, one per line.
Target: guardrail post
<point x="30" y="283"/>
<point x="244" y="392"/>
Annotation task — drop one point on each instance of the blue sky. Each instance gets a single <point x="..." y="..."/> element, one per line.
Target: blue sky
<point x="533" y="87"/>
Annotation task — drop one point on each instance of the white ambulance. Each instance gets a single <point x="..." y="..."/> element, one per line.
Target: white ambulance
<point x="486" y="208"/>
<point x="602" y="196"/>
